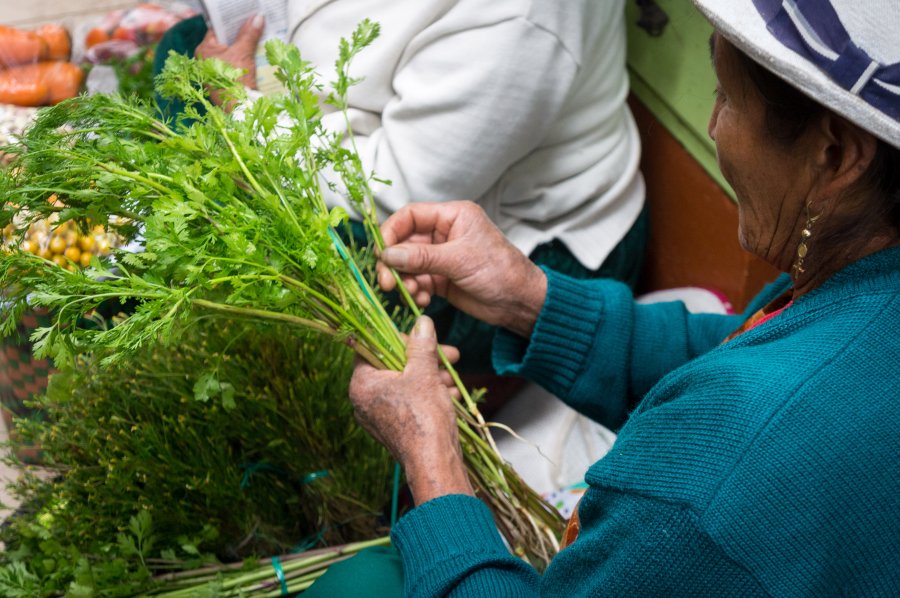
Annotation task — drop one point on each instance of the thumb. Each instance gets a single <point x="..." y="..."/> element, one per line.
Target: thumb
<point x="417" y="258"/>
<point x="208" y="45"/>
<point x="421" y="347"/>
<point x="210" y="38"/>
<point x="251" y="31"/>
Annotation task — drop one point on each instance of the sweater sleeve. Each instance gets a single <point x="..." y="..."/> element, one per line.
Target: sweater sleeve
<point x="450" y="547"/>
<point x="637" y="547"/>
<point x="591" y="335"/>
<point x="467" y="104"/>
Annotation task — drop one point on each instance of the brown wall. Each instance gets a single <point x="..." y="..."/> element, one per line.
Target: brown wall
<point x="693" y="223"/>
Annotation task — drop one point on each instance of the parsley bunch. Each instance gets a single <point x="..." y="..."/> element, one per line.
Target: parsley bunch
<point x="229" y="213"/>
<point x="231" y="221"/>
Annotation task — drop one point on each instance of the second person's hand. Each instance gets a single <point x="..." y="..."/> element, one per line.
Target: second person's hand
<point x="242" y="53"/>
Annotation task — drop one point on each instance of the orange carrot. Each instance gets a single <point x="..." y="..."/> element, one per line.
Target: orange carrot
<point x="64" y="81"/>
<point x="20" y="47"/>
<point x="22" y="92"/>
<point x="59" y="42"/>
<point x="40" y="84"/>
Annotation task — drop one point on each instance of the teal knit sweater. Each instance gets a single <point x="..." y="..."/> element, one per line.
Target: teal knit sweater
<point x="768" y="465"/>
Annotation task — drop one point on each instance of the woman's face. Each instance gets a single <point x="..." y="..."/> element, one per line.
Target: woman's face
<point x="769" y="178"/>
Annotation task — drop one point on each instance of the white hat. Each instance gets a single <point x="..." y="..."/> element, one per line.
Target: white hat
<point x="845" y="54"/>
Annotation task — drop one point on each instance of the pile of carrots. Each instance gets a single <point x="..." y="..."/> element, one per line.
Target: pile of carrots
<point x="143" y="24"/>
<point x="34" y="67"/>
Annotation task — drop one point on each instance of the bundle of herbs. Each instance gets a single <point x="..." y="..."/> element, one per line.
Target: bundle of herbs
<point x="269" y="462"/>
<point x="232" y="224"/>
<point x="269" y="577"/>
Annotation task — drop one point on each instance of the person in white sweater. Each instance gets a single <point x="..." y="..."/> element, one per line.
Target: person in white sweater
<point x="518" y="105"/>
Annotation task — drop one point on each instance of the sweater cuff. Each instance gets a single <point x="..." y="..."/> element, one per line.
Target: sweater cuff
<point x="563" y="335"/>
<point x="444" y="536"/>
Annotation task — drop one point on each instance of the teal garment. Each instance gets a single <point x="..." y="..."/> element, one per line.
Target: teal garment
<point x="181" y="38"/>
<point x="373" y="572"/>
<point x="764" y="466"/>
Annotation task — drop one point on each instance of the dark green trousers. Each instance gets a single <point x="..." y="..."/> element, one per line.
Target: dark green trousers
<point x="373" y="572"/>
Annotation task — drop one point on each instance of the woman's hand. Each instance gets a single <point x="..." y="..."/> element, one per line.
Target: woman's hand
<point x="452" y="249"/>
<point x="411" y="413"/>
<point x="242" y="53"/>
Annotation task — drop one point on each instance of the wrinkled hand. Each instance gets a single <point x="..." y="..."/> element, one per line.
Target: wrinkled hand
<point x="240" y="54"/>
<point x="411" y="413"/>
<point x="453" y="250"/>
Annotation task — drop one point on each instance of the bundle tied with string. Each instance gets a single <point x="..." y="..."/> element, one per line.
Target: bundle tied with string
<point x="234" y="226"/>
<point x="271" y="462"/>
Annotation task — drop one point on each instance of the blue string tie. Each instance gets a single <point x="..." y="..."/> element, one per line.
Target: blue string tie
<point x="279" y="573"/>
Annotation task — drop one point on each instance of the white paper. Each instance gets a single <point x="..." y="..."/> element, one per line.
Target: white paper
<point x="226" y="17"/>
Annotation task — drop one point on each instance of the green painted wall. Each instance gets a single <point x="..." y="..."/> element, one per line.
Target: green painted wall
<point x="672" y="75"/>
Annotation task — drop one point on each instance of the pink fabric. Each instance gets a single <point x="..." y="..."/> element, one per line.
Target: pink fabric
<point x="767" y="317"/>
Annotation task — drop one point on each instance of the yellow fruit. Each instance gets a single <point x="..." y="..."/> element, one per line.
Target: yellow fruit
<point x="73" y="253"/>
<point x="46" y="253"/>
<point x="71" y="237"/>
<point x="86" y="243"/>
<point x="102" y="245"/>
<point x="57" y="244"/>
<point x="85" y="259"/>
<point x="60" y="260"/>
<point x="29" y="246"/>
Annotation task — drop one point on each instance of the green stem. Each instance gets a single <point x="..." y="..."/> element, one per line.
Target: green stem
<point x="264" y="572"/>
<point x="296" y="321"/>
<point x="220" y="124"/>
<point x="388" y="354"/>
<point x="134" y="176"/>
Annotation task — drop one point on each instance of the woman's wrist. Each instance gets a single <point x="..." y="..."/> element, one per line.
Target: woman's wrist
<point x="532" y="294"/>
<point x="437" y="473"/>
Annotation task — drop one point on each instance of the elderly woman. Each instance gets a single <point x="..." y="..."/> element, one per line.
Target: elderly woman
<point x="756" y="455"/>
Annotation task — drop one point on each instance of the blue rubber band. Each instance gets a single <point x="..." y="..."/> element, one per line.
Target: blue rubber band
<point x="339" y="245"/>
<point x="279" y="573"/>
<point x="250" y="469"/>
<point x="309" y="542"/>
<point x="314" y="475"/>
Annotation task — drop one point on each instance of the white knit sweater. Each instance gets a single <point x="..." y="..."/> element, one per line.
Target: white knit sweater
<point x="517" y="104"/>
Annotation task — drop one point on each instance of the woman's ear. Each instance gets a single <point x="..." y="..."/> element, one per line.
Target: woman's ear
<point x="842" y="152"/>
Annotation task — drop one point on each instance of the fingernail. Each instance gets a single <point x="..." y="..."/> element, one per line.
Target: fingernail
<point x="259" y="20"/>
<point x="395" y="256"/>
<point x="423" y="328"/>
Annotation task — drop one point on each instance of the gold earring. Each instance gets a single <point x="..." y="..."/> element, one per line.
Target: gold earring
<point x="805" y="234"/>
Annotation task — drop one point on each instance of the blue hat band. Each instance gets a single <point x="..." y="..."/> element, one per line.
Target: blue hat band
<point x="812" y="29"/>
